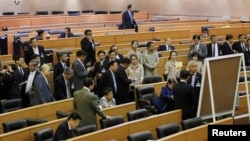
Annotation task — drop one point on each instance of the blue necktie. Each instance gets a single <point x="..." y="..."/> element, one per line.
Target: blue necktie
<point x="114" y="81"/>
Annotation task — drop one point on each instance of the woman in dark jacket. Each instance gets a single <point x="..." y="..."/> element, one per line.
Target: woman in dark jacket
<point x="165" y="102"/>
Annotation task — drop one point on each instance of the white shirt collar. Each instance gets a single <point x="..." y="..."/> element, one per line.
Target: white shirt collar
<point x="86" y="88"/>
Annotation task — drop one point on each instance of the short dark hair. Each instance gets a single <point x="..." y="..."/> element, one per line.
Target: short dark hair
<point x="31" y="39"/>
<point x="184" y="74"/>
<point x="62" y="53"/>
<point x="149" y="43"/>
<point x="40" y="32"/>
<point x="88" y="81"/>
<point x="112" y="50"/>
<point x="80" y="53"/>
<point x="212" y="36"/>
<point x="171" y="80"/>
<point x="229" y="36"/>
<point x="198" y="37"/>
<point x="74" y="116"/>
<point x="111" y="63"/>
<point x="125" y="61"/>
<point x="68" y="28"/>
<point x="86" y="31"/>
<point x="17" y="58"/>
<point x="107" y="90"/>
<point x="129" y="6"/>
<point x="101" y="51"/>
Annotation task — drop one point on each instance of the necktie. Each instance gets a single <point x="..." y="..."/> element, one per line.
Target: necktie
<point x="243" y="47"/>
<point x="68" y="88"/>
<point x="114" y="81"/>
<point x="192" y="80"/>
<point x="64" y="65"/>
<point x="213" y="50"/>
<point x="131" y="18"/>
<point x="21" y="71"/>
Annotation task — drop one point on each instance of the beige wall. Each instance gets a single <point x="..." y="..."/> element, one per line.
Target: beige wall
<point x="213" y="8"/>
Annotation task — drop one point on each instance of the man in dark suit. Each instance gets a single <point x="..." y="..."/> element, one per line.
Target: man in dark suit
<point x="63" y="85"/>
<point x="67" y="33"/>
<point x="198" y="47"/>
<point x="213" y="48"/>
<point x="227" y="45"/>
<point x="86" y="104"/>
<point x="81" y="71"/>
<point x="184" y="97"/>
<point x="42" y="91"/>
<point x="21" y="68"/>
<point x="123" y="82"/>
<point x="100" y="67"/>
<point x="128" y="21"/>
<point x="28" y="81"/>
<point x="240" y="46"/>
<point x="66" y="129"/>
<point x="88" y="45"/>
<point x="118" y="56"/>
<point x="10" y="83"/>
<point x="167" y="46"/>
<point x="108" y="79"/>
<point x="60" y="65"/>
<point x="195" y="81"/>
<point x="112" y="56"/>
<point x="34" y="48"/>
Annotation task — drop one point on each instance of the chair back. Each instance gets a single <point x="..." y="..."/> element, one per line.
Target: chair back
<point x="151" y="79"/>
<point x="167" y="129"/>
<point x="11" y="105"/>
<point x="105" y="123"/>
<point x="14" y="125"/>
<point x="85" y="129"/>
<point x="45" y="134"/>
<point x="137" y="114"/>
<point x="140" y="136"/>
<point x="61" y="114"/>
<point x="191" y="123"/>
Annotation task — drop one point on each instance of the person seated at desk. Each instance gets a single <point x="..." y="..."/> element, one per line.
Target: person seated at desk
<point x="167" y="46"/>
<point x="67" y="33"/>
<point x="66" y="129"/>
<point x="107" y="100"/>
<point x="40" y="34"/>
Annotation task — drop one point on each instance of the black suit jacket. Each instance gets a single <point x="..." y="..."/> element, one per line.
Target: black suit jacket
<point x="123" y="83"/>
<point x="60" y="90"/>
<point x="106" y="81"/>
<point x="63" y="35"/>
<point x="10" y="85"/>
<point x="20" y="76"/>
<point x="237" y="46"/>
<point x="163" y="47"/>
<point x="58" y="69"/>
<point x="184" y="99"/>
<point x="126" y="21"/>
<point x="197" y="86"/>
<point x="210" y="51"/>
<point x="226" y="49"/>
<point x="99" y="67"/>
<point x="87" y="46"/>
<point x="29" y="54"/>
<point x="63" y="132"/>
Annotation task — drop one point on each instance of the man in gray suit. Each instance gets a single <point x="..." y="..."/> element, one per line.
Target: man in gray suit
<point x="198" y="47"/>
<point x="86" y="104"/>
<point x="80" y="70"/>
<point x="42" y="92"/>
